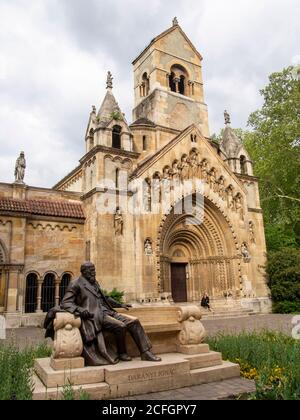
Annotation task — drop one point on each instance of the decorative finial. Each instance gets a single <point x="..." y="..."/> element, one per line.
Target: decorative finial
<point x="227" y="118"/>
<point x="94" y="110"/>
<point x="175" y="21"/>
<point x="109" y="81"/>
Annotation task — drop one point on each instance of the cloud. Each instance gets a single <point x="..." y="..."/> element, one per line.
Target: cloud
<point x="55" y="54"/>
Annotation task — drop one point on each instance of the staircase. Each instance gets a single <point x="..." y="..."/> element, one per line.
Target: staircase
<point x="225" y="308"/>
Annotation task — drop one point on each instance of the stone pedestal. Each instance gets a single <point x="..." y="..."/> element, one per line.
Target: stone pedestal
<point x="189" y="363"/>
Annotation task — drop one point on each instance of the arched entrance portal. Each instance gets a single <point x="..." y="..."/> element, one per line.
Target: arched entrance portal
<point x="199" y="257"/>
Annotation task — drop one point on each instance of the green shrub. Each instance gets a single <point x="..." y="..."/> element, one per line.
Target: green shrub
<point x="284" y="279"/>
<point x="115" y="294"/>
<point x="286" y="307"/>
<point x="271" y="359"/>
<point x="16" y="369"/>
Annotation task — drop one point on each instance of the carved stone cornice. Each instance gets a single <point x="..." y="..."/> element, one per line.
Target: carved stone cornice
<point x="110" y="150"/>
<point x="12" y="267"/>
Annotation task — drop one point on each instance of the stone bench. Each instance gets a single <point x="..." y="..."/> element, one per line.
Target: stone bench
<point x="170" y="329"/>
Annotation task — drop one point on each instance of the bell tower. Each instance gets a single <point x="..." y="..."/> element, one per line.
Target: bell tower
<point x="168" y="83"/>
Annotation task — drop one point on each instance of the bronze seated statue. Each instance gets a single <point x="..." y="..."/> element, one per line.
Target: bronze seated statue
<point x="85" y="299"/>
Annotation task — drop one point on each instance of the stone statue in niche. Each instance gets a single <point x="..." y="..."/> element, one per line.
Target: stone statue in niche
<point x="212" y="180"/>
<point x="245" y="251"/>
<point x="239" y="206"/>
<point x="184" y="168"/>
<point x="204" y="170"/>
<point x="251" y="232"/>
<point x="166" y="185"/>
<point x="156" y="189"/>
<point x="193" y="165"/>
<point x="118" y="222"/>
<point x="175" y="172"/>
<point x="222" y="189"/>
<point x="20" y="169"/>
<point x="230" y="200"/>
<point x="148" y="248"/>
<point x="147" y="195"/>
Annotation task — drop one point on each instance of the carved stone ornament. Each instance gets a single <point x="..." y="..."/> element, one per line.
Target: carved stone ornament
<point x="193" y="331"/>
<point x="67" y="339"/>
<point x="148" y="248"/>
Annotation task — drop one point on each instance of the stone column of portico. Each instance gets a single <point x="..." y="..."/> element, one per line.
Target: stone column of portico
<point x="177" y="81"/>
<point x="57" y="283"/>
<point x="39" y="296"/>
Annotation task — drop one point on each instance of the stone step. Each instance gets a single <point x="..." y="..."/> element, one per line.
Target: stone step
<point x="97" y="391"/>
<point x="214" y="374"/>
<point x="227" y="315"/>
<point x="134" y="378"/>
<point x="56" y="378"/>
<point x="200" y="361"/>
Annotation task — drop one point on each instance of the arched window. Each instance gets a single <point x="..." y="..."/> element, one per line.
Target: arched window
<point x="31" y="293"/>
<point x="182" y="85"/>
<point x="117" y="180"/>
<point x="172" y="83"/>
<point x="65" y="281"/>
<point x="2" y="255"/>
<point x="145" y="85"/>
<point x="48" y="292"/>
<point x="178" y="79"/>
<point x="145" y="145"/>
<point x="116" y="137"/>
<point x="243" y="164"/>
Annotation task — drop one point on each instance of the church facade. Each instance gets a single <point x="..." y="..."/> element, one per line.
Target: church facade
<point x="165" y="213"/>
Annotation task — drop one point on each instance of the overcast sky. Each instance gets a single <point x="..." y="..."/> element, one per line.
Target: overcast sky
<point x="54" y="55"/>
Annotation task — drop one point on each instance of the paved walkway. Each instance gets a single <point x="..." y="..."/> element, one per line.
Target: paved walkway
<point x="32" y="336"/>
<point x="228" y="389"/>
<point x="273" y="322"/>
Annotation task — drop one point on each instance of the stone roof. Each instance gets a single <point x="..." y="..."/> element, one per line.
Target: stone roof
<point x="144" y="121"/>
<point x="42" y="208"/>
<point x="145" y="162"/>
<point x="108" y="108"/>
<point x="165" y="33"/>
<point x="230" y="142"/>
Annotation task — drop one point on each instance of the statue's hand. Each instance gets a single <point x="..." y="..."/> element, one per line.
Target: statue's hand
<point x="126" y="306"/>
<point x="86" y="315"/>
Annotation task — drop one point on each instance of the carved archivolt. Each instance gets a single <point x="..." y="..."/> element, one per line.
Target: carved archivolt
<point x="191" y="167"/>
<point x="201" y="244"/>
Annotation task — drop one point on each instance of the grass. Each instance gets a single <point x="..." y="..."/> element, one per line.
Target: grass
<point x="15" y="371"/>
<point x="271" y="359"/>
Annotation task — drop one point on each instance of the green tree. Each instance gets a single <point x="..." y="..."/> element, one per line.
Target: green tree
<point x="274" y="146"/>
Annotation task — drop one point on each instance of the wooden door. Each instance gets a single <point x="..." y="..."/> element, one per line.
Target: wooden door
<point x="178" y="281"/>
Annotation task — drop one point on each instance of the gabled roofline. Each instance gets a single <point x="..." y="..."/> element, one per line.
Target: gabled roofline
<point x="148" y="162"/>
<point x="163" y="34"/>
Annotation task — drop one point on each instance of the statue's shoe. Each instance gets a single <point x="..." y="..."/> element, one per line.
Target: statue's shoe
<point x="124" y="357"/>
<point x="150" y="357"/>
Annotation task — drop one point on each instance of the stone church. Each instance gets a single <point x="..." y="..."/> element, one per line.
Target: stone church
<point x="158" y="256"/>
